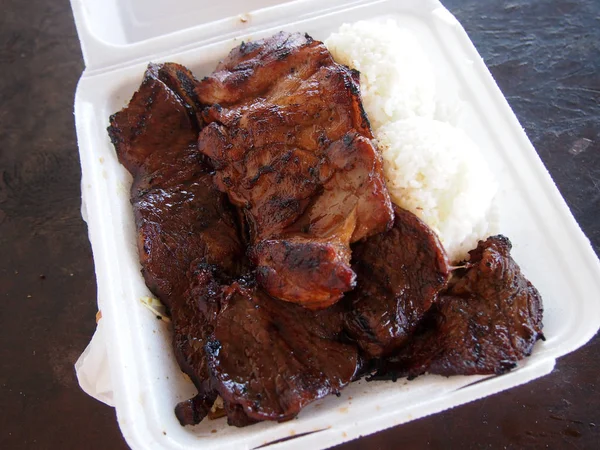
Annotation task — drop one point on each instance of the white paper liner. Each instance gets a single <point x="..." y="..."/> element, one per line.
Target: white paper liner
<point x="92" y="369"/>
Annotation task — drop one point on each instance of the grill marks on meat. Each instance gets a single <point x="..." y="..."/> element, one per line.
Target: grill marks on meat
<point x="487" y="321"/>
<point x="298" y="265"/>
<point x="156" y="120"/>
<point x="272" y="358"/>
<point x="291" y="146"/>
<point x="184" y="223"/>
<point x="191" y="251"/>
<point x="180" y="216"/>
<point x="301" y="263"/>
<point x="267" y="359"/>
<point x="253" y="68"/>
<point x="400" y="274"/>
<point x="181" y="222"/>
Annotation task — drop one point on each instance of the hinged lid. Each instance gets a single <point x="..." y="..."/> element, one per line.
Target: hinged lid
<point x="115" y="33"/>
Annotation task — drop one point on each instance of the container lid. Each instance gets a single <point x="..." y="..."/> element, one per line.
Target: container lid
<point x="115" y="33"/>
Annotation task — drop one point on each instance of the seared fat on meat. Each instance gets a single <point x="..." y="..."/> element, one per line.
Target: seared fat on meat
<point x="291" y="146"/>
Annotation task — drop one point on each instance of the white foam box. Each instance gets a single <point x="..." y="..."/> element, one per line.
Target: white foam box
<point x="119" y="38"/>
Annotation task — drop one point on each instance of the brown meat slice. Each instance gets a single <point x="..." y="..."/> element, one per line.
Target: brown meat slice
<point x="298" y="266"/>
<point x="291" y="146"/>
<point x="400" y="274"/>
<point x="183" y="83"/>
<point x="184" y="223"/>
<point x="180" y="216"/>
<point x="488" y="320"/>
<point x="193" y="315"/>
<point x="253" y="68"/>
<point x="272" y="358"/>
<point x="157" y="119"/>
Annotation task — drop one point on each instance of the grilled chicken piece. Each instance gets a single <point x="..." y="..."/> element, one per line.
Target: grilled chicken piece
<point x="488" y="320"/>
<point x="271" y="358"/>
<point x="400" y="274"/>
<point x="184" y="223"/>
<point x="291" y="146"/>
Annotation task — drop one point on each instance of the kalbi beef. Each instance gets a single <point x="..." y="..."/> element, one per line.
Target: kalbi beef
<point x="181" y="217"/>
<point x="157" y="120"/>
<point x="284" y="137"/>
<point x="179" y="223"/>
<point x="272" y="358"/>
<point x="184" y="223"/>
<point x="267" y="359"/>
<point x="489" y="319"/>
<point x="183" y="83"/>
<point x="400" y="274"/>
<point x="291" y="146"/>
<point x="190" y="250"/>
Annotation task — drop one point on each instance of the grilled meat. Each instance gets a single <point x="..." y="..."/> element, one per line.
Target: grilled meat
<point x="271" y="358"/>
<point x="400" y="274"/>
<point x="184" y="223"/>
<point x="157" y="120"/>
<point x="179" y="214"/>
<point x="191" y="251"/>
<point x="489" y="319"/>
<point x="291" y="146"/>
<point x="278" y="130"/>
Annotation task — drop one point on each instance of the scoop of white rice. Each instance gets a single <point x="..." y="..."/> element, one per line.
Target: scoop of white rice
<point x="397" y="80"/>
<point x="437" y="172"/>
<point x="431" y="168"/>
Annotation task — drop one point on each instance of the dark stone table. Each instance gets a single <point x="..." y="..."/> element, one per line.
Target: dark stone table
<point x="545" y="54"/>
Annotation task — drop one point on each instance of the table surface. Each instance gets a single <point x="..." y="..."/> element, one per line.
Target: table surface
<point x="545" y="55"/>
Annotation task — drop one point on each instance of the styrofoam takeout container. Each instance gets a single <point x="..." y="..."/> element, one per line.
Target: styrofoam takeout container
<point x="120" y="37"/>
